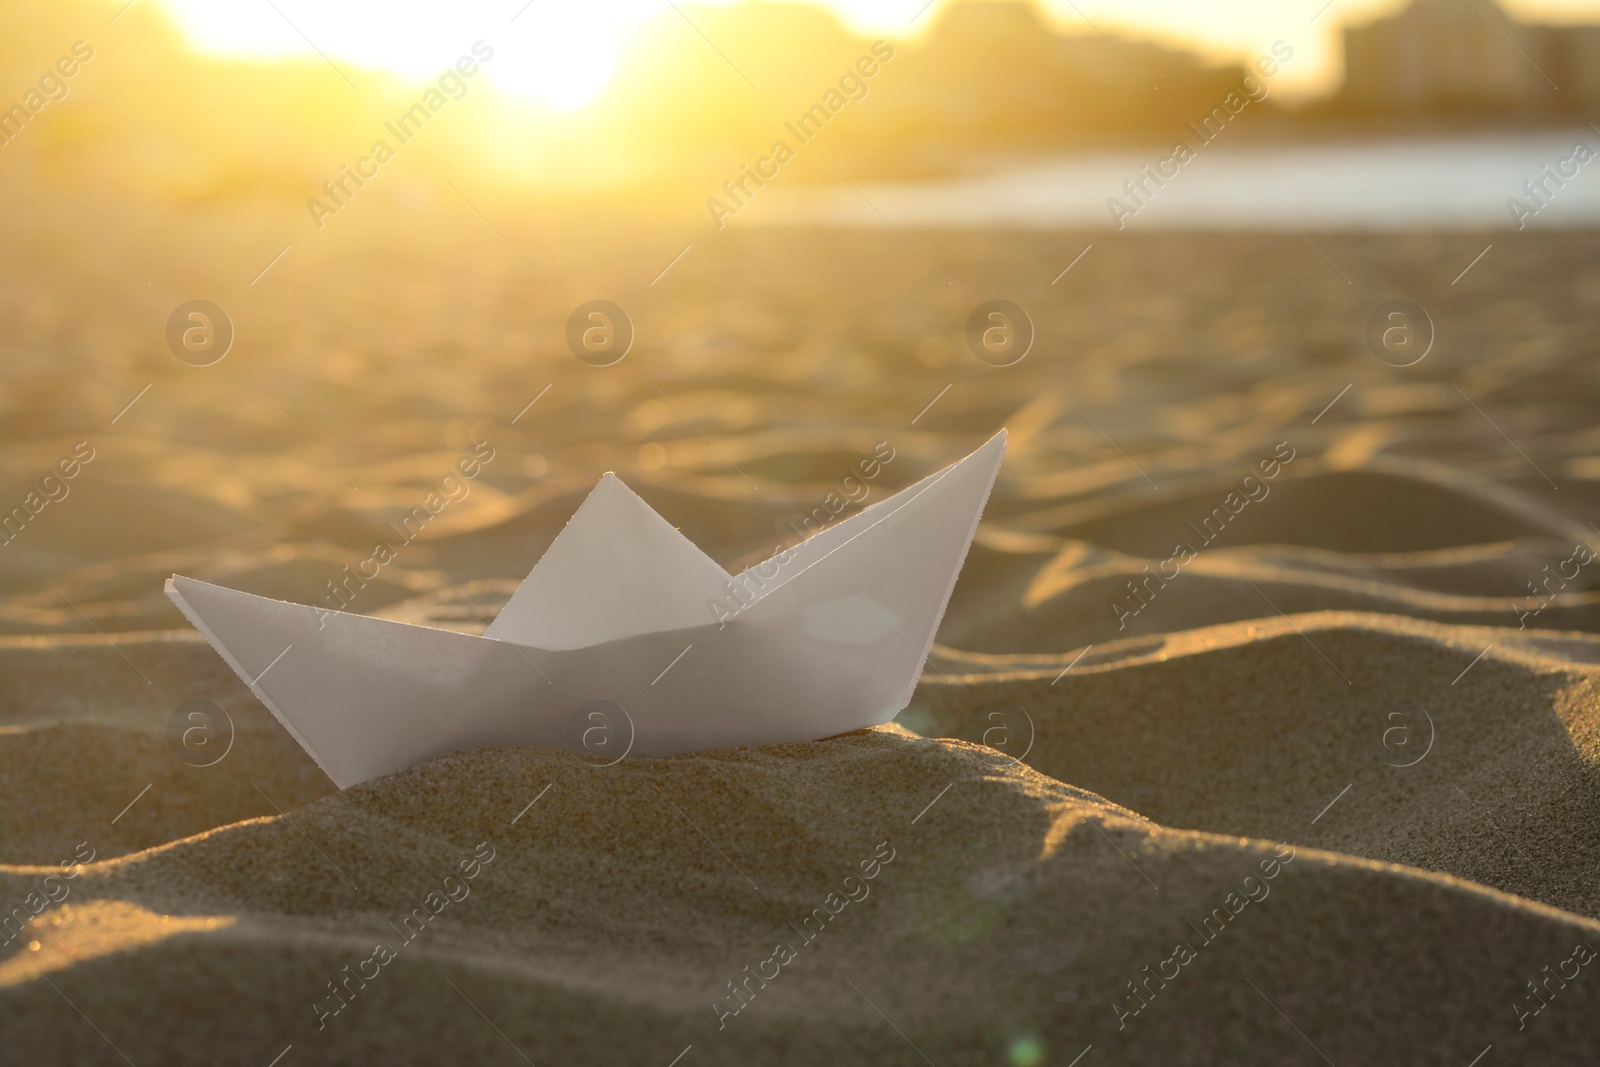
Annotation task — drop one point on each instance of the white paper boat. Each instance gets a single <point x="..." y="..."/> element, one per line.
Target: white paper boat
<point x="624" y="638"/>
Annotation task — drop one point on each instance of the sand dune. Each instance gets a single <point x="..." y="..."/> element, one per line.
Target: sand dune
<point x="1489" y="773"/>
<point x="84" y="728"/>
<point x="636" y="894"/>
<point x="1388" y="506"/>
<point x="1070" y="601"/>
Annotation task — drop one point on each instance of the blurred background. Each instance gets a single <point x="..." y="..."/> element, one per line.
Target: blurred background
<point x="393" y="213"/>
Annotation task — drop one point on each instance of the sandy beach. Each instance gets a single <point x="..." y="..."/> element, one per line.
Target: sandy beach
<point x="1263" y="727"/>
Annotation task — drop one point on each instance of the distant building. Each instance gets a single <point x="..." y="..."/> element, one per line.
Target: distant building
<point x="994" y="74"/>
<point x="1469" y="56"/>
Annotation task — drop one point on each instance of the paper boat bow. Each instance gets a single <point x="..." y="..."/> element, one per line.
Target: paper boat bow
<point x="624" y="638"/>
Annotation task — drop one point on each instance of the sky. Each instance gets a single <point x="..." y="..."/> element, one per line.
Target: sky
<point x="564" y="52"/>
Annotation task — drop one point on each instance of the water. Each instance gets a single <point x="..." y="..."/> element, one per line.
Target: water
<point x="1461" y="182"/>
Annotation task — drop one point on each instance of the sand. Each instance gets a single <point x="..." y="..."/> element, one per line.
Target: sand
<point x="616" y="910"/>
<point x="1360" y="688"/>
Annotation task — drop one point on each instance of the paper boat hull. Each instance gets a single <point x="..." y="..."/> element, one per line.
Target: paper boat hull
<point x="367" y="697"/>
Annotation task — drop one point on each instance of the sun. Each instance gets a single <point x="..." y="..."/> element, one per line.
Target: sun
<point x="568" y="53"/>
<point x="557" y="52"/>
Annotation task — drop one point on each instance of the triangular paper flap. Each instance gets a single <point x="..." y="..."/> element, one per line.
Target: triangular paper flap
<point x="886" y="580"/>
<point x="616" y="570"/>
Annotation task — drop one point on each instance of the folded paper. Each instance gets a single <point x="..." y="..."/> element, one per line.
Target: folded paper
<point x="624" y="639"/>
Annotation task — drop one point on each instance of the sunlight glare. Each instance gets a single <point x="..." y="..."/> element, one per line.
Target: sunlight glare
<point x="560" y="54"/>
<point x="563" y="54"/>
